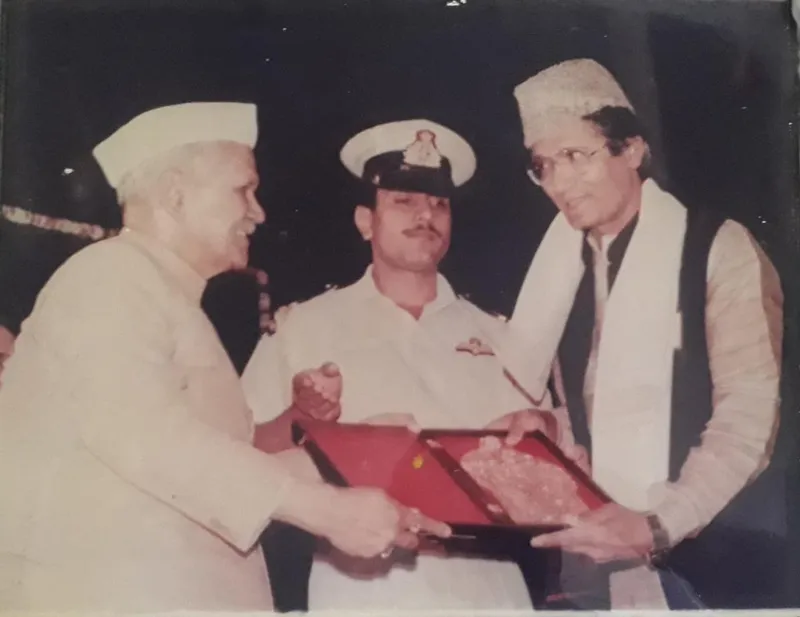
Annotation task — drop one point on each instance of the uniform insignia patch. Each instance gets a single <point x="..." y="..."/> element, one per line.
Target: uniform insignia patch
<point x="476" y="347"/>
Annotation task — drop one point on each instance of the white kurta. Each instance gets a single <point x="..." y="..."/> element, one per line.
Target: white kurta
<point x="631" y="393"/>
<point x="392" y="363"/>
<point x="126" y="470"/>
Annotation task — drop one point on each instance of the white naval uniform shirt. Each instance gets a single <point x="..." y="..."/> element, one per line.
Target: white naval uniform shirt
<point x="128" y="478"/>
<point x="392" y="363"/>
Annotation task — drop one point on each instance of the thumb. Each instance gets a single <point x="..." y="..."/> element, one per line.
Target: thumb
<point x="577" y="454"/>
<point x="330" y="369"/>
<point x="515" y="434"/>
<point x="500" y="424"/>
<point x="393" y="419"/>
<point x="303" y="380"/>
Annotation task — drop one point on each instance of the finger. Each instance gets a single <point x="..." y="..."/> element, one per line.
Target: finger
<point x="573" y="536"/>
<point x="330" y="369"/>
<point x="514" y="437"/>
<point x="407" y="540"/>
<point x="315" y="401"/>
<point x="595" y="553"/>
<point x="392" y="419"/>
<point x="525" y="424"/>
<point x="515" y="433"/>
<point x="547" y="540"/>
<point x="582" y="459"/>
<point x="329" y="397"/>
<point x="433" y="527"/>
<point x="310" y="399"/>
<point x="605" y="554"/>
<point x="501" y="424"/>
<point x="520" y="427"/>
<point x="302" y="381"/>
<point x="416" y="522"/>
<point x="332" y="414"/>
<point x="326" y="413"/>
<point x="319" y="412"/>
<point x="578" y="455"/>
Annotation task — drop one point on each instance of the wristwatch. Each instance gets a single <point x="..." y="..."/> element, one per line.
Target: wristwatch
<point x="661" y="543"/>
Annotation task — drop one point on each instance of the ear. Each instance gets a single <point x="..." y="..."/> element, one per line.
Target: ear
<point x="635" y="152"/>
<point x="363" y="219"/>
<point x="172" y="191"/>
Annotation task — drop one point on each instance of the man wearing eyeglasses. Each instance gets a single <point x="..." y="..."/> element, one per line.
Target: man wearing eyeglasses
<point x="666" y="324"/>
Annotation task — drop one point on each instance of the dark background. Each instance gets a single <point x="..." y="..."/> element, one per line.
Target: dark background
<point x="714" y="81"/>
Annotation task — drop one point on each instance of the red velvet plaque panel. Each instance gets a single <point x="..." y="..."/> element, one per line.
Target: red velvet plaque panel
<point x="422" y="471"/>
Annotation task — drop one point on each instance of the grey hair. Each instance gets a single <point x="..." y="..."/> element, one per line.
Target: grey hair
<point x="146" y="183"/>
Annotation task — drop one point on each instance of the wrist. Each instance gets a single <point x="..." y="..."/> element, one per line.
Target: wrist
<point x="308" y="506"/>
<point x="659" y="538"/>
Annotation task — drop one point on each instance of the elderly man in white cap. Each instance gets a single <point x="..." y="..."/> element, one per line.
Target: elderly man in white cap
<point x="127" y="469"/>
<point x="403" y="344"/>
<point x="666" y="323"/>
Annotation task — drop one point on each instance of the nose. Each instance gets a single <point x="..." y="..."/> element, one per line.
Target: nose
<point x="561" y="178"/>
<point x="425" y="208"/>
<point x="256" y="211"/>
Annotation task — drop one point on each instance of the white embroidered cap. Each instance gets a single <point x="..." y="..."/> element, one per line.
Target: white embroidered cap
<point x="159" y="130"/>
<point x="570" y="89"/>
<point x="410" y="154"/>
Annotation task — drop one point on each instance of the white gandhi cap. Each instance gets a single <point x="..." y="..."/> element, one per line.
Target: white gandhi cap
<point x="571" y="89"/>
<point x="159" y="130"/>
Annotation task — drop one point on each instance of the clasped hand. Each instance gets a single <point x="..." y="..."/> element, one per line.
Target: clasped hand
<point x="317" y="393"/>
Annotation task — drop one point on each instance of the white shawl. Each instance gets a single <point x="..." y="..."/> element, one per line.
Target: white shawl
<point x="630" y="417"/>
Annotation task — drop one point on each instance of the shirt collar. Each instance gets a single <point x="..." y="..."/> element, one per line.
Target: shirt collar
<point x="613" y="246"/>
<point x="191" y="283"/>
<point x="366" y="289"/>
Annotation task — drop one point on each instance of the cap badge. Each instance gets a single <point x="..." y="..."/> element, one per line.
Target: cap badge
<point x="423" y="152"/>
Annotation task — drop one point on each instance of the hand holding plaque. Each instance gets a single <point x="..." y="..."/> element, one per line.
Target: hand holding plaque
<point x="364" y="522"/>
<point x="610" y="533"/>
<point x="518" y="423"/>
<point x="493" y="496"/>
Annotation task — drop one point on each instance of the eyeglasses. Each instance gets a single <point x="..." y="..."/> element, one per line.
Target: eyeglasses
<point x="541" y="168"/>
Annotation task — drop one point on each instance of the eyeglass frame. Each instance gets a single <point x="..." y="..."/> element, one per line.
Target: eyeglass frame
<point x="580" y="168"/>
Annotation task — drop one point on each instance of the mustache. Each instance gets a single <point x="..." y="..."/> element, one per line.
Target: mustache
<point x="422" y="228"/>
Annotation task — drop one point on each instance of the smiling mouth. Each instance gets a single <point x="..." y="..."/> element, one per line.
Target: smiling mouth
<point x="575" y="201"/>
<point x="246" y="232"/>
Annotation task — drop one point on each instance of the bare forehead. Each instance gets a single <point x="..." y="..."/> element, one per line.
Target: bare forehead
<point x="572" y="133"/>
